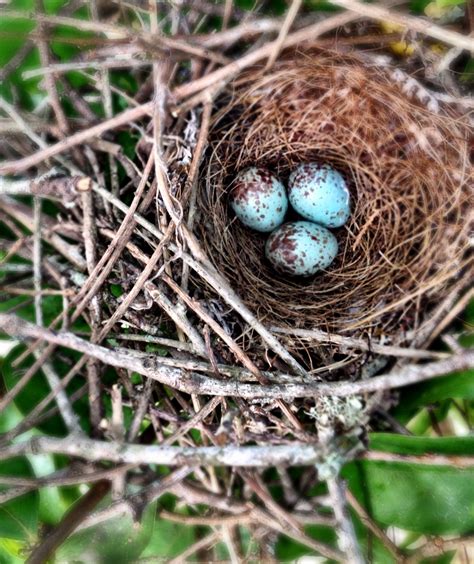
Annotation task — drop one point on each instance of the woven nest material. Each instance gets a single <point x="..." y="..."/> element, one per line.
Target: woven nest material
<point x="408" y="172"/>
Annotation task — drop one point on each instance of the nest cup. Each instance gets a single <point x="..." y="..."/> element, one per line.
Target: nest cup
<point x="408" y="171"/>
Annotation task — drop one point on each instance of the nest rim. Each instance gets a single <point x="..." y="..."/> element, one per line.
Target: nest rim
<point x="404" y="239"/>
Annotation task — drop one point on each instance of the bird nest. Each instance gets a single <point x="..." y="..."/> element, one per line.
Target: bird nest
<point x="407" y="167"/>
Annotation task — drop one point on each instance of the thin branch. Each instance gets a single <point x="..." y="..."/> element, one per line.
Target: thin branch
<point x="437" y="547"/>
<point x="194" y="421"/>
<point x="63" y="188"/>
<point x="89" y="233"/>
<point x="134" y="504"/>
<point x="231" y="35"/>
<point x="345" y="529"/>
<point x="37" y="270"/>
<point x="418" y="24"/>
<point x="428" y="459"/>
<point x="50" y="78"/>
<point x="103" y="64"/>
<point x="140" y="410"/>
<point x="69" y="523"/>
<point x="22" y="213"/>
<point x="234" y="347"/>
<point x="127" y="116"/>
<point x="373" y="527"/>
<point x="285" y="28"/>
<point x="206" y="542"/>
<point x="178" y="317"/>
<point x="66" y="410"/>
<point x="296" y="454"/>
<point x="64" y="477"/>
<point x="308" y="33"/>
<point x="370" y="346"/>
<point x="151" y="367"/>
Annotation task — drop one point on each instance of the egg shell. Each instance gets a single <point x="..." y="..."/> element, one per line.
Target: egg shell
<point x="301" y="248"/>
<point x="319" y="193"/>
<point x="259" y="199"/>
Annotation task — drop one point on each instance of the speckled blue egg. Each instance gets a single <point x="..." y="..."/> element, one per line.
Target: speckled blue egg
<point x="259" y="199"/>
<point x="319" y="193"/>
<point x="301" y="248"/>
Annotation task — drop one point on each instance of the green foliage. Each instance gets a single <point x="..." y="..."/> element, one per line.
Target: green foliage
<point x="447" y="3"/>
<point x="459" y="385"/>
<point x="116" y="540"/>
<point x="468" y="74"/>
<point x="37" y="389"/>
<point x="11" y="551"/>
<point x="408" y="445"/>
<point x="168" y="539"/>
<point x="288" y="549"/>
<point x="425" y="498"/>
<point x="19" y="516"/>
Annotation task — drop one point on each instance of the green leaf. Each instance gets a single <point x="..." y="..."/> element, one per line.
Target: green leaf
<point x="117" y="540"/>
<point x="168" y="539"/>
<point x="469" y="311"/>
<point x="468" y="73"/>
<point x="460" y="385"/>
<point x="37" y="389"/>
<point x="408" y="445"/>
<point x="11" y="551"/>
<point x="52" y="505"/>
<point x="116" y="290"/>
<point x="16" y="30"/>
<point x="447" y="3"/>
<point x="287" y="549"/>
<point x="426" y="499"/>
<point x="418" y="6"/>
<point x="19" y="516"/>
<point x="51" y="306"/>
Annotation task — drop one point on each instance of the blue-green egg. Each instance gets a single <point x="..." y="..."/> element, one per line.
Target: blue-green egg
<point x="301" y="248"/>
<point x="319" y="193"/>
<point x="258" y="199"/>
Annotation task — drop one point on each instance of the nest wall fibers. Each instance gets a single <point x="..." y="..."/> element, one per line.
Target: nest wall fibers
<point x="408" y="172"/>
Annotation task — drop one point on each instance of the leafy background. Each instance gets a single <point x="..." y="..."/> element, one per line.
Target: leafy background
<point x="413" y="500"/>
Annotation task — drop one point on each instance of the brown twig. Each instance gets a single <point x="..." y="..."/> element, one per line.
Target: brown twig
<point x="373" y="527"/>
<point x="89" y="231"/>
<point x="437" y="547"/>
<point x="225" y="73"/>
<point x="196" y="383"/>
<point x="196" y="307"/>
<point x="69" y="523"/>
<point x="63" y="188"/>
<point x="76" y="139"/>
<point x="205" y="543"/>
<point x="285" y="28"/>
<point x="418" y="24"/>
<point x="426" y="459"/>
<point x="350" y="342"/>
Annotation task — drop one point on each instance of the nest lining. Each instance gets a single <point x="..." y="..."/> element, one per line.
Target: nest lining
<point x="408" y="173"/>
